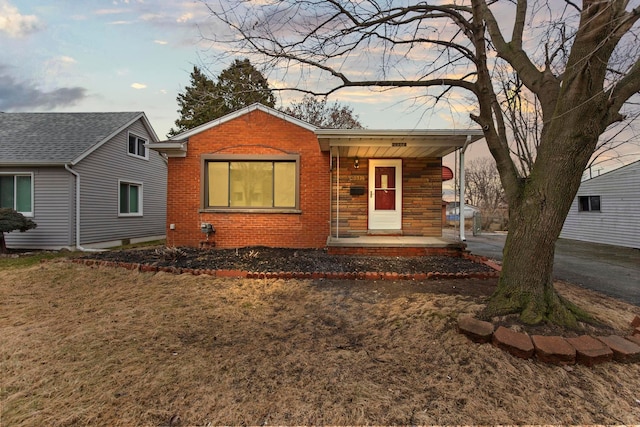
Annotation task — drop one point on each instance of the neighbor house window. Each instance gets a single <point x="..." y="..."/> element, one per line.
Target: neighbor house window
<point x="251" y="183"/>
<point x="130" y="199"/>
<point x="16" y="192"/>
<point x="589" y="203"/>
<point x="137" y="146"/>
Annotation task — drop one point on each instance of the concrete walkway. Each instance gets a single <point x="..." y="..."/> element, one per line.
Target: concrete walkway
<point x="612" y="270"/>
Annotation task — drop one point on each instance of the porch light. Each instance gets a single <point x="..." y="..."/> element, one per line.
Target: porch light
<point x="356" y="163"/>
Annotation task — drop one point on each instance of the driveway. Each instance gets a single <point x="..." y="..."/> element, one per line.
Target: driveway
<point x="612" y="270"/>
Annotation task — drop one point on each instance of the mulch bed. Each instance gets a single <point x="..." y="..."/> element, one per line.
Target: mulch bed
<point x="263" y="259"/>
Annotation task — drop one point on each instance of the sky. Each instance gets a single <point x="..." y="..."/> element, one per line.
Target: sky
<point x="137" y="55"/>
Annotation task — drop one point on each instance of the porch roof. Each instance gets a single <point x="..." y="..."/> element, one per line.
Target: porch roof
<point x="370" y="143"/>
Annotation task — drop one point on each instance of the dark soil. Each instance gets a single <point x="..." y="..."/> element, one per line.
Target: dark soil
<point x="263" y="259"/>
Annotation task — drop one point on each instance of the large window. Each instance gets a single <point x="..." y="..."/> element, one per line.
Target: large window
<point x="137" y="146"/>
<point x="130" y="199"/>
<point x="589" y="203"/>
<point x="16" y="192"/>
<point x="256" y="183"/>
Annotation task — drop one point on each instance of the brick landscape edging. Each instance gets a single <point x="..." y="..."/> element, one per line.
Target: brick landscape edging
<point x="585" y="350"/>
<point x="339" y="275"/>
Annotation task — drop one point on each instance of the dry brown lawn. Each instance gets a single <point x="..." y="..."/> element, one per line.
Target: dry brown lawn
<point x="105" y="346"/>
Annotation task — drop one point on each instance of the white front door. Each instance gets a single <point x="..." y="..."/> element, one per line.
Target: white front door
<point x="385" y="194"/>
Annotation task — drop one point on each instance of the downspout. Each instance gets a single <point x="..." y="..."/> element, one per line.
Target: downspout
<point x="77" y="176"/>
<point x="461" y="204"/>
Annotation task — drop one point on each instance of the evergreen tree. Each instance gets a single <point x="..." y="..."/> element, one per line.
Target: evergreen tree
<point x="196" y="103"/>
<point x="10" y="220"/>
<point x="239" y="85"/>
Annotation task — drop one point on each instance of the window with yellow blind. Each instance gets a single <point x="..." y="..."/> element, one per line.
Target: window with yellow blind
<point x="250" y="182"/>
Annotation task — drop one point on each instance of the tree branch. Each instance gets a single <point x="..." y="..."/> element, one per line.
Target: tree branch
<point x="518" y="26"/>
<point x="628" y="86"/>
<point x="513" y="53"/>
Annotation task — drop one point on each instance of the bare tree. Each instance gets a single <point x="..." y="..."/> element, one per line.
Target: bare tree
<point x="317" y="112"/>
<point x="580" y="62"/>
<point x="483" y="188"/>
<point x="523" y="116"/>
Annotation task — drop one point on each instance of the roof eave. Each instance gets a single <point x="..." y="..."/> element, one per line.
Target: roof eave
<point x="241" y="112"/>
<point x="170" y="148"/>
<point x="447" y="140"/>
<point x="31" y="163"/>
<point x="139" y="116"/>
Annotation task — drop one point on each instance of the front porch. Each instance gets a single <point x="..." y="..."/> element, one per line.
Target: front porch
<point x="386" y="190"/>
<point x="395" y="245"/>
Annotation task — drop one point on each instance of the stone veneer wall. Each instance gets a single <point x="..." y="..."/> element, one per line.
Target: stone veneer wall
<point x="421" y="197"/>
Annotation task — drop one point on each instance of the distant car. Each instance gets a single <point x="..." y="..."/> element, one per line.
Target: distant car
<point x="453" y="210"/>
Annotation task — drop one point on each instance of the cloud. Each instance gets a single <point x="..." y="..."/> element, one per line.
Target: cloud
<point x="163" y="42"/>
<point x="138" y="85"/>
<point x="25" y="95"/>
<point x="62" y="60"/>
<point x="60" y="67"/>
<point x="67" y="59"/>
<point x="15" y="24"/>
<point x="185" y="18"/>
<point x="109" y="11"/>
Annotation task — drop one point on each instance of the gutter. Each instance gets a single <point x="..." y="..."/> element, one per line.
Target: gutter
<point x="77" y="176"/>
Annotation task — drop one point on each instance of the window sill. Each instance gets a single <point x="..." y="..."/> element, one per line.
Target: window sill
<point x="251" y="211"/>
<point x="130" y="215"/>
<point x="136" y="156"/>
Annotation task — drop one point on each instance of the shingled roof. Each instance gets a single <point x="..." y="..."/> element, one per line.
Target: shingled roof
<point x="58" y="138"/>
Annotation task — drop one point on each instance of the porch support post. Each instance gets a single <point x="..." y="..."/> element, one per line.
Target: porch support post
<point x="337" y="192"/>
<point x="461" y="204"/>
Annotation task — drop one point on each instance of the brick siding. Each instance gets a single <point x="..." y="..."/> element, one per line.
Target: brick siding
<point x="253" y="133"/>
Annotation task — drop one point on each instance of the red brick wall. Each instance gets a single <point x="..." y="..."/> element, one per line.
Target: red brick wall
<point x="421" y="197"/>
<point x="253" y="133"/>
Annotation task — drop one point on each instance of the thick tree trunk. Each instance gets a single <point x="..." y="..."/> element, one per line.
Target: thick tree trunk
<point x="577" y="108"/>
<point x="526" y="282"/>
<point x="536" y="217"/>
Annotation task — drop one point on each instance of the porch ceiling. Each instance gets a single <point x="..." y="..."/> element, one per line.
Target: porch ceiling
<point x="366" y="143"/>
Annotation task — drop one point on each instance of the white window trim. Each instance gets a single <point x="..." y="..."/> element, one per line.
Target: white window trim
<point x="140" y="198"/>
<point x="33" y="203"/>
<point x="146" y="148"/>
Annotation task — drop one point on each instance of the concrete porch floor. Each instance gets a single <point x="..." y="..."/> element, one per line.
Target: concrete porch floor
<point x="447" y="244"/>
<point x="450" y="237"/>
<point x="391" y="242"/>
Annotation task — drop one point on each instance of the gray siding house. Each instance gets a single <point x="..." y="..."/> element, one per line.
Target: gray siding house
<point x="607" y="209"/>
<point x="87" y="179"/>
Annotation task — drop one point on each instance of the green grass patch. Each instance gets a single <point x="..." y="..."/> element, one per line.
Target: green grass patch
<point x="28" y="259"/>
<point x="140" y="245"/>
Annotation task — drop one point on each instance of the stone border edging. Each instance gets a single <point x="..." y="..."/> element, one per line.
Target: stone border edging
<point x="585" y="350"/>
<point x="482" y="260"/>
<point x="369" y="275"/>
